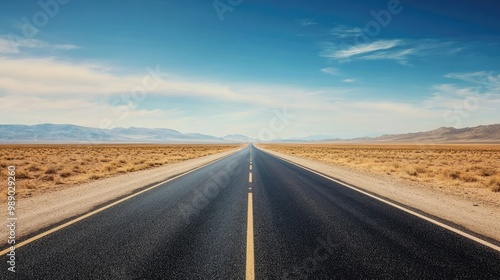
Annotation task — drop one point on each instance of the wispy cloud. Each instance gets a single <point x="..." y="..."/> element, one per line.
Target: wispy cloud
<point x="481" y="92"/>
<point x="349" y="80"/>
<point x="12" y="45"/>
<point x="342" y="51"/>
<point x="400" y="56"/>
<point x="485" y="79"/>
<point x="330" y="71"/>
<point x="64" y="47"/>
<point x="468" y="77"/>
<point x="54" y="78"/>
<point x="50" y="76"/>
<point x="306" y="22"/>
<point x="343" y="31"/>
<point x="433" y="46"/>
<point x="399" y="50"/>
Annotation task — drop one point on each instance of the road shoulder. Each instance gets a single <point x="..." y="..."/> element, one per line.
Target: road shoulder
<point x="479" y="218"/>
<point x="53" y="207"/>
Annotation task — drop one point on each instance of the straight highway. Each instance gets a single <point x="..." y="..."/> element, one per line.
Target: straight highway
<point x="252" y="215"/>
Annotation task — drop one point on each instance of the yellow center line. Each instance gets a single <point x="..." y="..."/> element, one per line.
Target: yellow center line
<point x="250" y="167"/>
<point x="250" y="177"/>
<point x="250" y="267"/>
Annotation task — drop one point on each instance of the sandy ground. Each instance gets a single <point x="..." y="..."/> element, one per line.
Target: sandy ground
<point x="478" y="216"/>
<point x="46" y="209"/>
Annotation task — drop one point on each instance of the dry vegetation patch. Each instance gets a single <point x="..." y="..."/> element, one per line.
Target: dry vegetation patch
<point x="459" y="167"/>
<point x="40" y="167"/>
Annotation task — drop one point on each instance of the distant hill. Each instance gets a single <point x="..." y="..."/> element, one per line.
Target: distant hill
<point x="478" y="134"/>
<point x="66" y="133"/>
<point x="239" y="138"/>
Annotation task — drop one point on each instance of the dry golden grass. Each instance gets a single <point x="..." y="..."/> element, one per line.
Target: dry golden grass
<point x="40" y="167"/>
<point x="443" y="166"/>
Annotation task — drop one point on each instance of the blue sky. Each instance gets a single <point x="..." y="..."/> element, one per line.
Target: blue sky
<point x="337" y="68"/>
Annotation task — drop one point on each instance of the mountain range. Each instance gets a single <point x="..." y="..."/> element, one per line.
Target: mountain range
<point x="67" y="133"/>
<point x="478" y="134"/>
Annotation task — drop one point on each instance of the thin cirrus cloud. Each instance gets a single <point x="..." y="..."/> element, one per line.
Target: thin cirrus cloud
<point x="344" y="51"/>
<point x="306" y="22"/>
<point x="480" y="93"/>
<point x="330" y="71"/>
<point x="398" y="50"/>
<point x="400" y="56"/>
<point x="465" y="101"/>
<point x="343" y="31"/>
<point x="487" y="80"/>
<point x="13" y="45"/>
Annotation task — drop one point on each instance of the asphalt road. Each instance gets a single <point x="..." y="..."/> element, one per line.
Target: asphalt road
<point x="299" y="226"/>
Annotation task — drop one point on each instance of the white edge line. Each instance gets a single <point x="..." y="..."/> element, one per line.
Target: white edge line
<point x="464" y="234"/>
<point x="86" y="215"/>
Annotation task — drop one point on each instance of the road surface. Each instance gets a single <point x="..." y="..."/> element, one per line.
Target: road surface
<point x="253" y="215"/>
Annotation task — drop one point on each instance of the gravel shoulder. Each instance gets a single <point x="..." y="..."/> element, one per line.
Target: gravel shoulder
<point x="49" y="208"/>
<point x="482" y="218"/>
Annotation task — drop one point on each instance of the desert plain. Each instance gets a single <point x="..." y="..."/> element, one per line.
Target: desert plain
<point x="51" y="167"/>
<point x="471" y="171"/>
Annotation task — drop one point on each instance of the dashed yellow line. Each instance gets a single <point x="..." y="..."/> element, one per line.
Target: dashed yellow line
<point x="250" y="263"/>
<point x="250" y="266"/>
